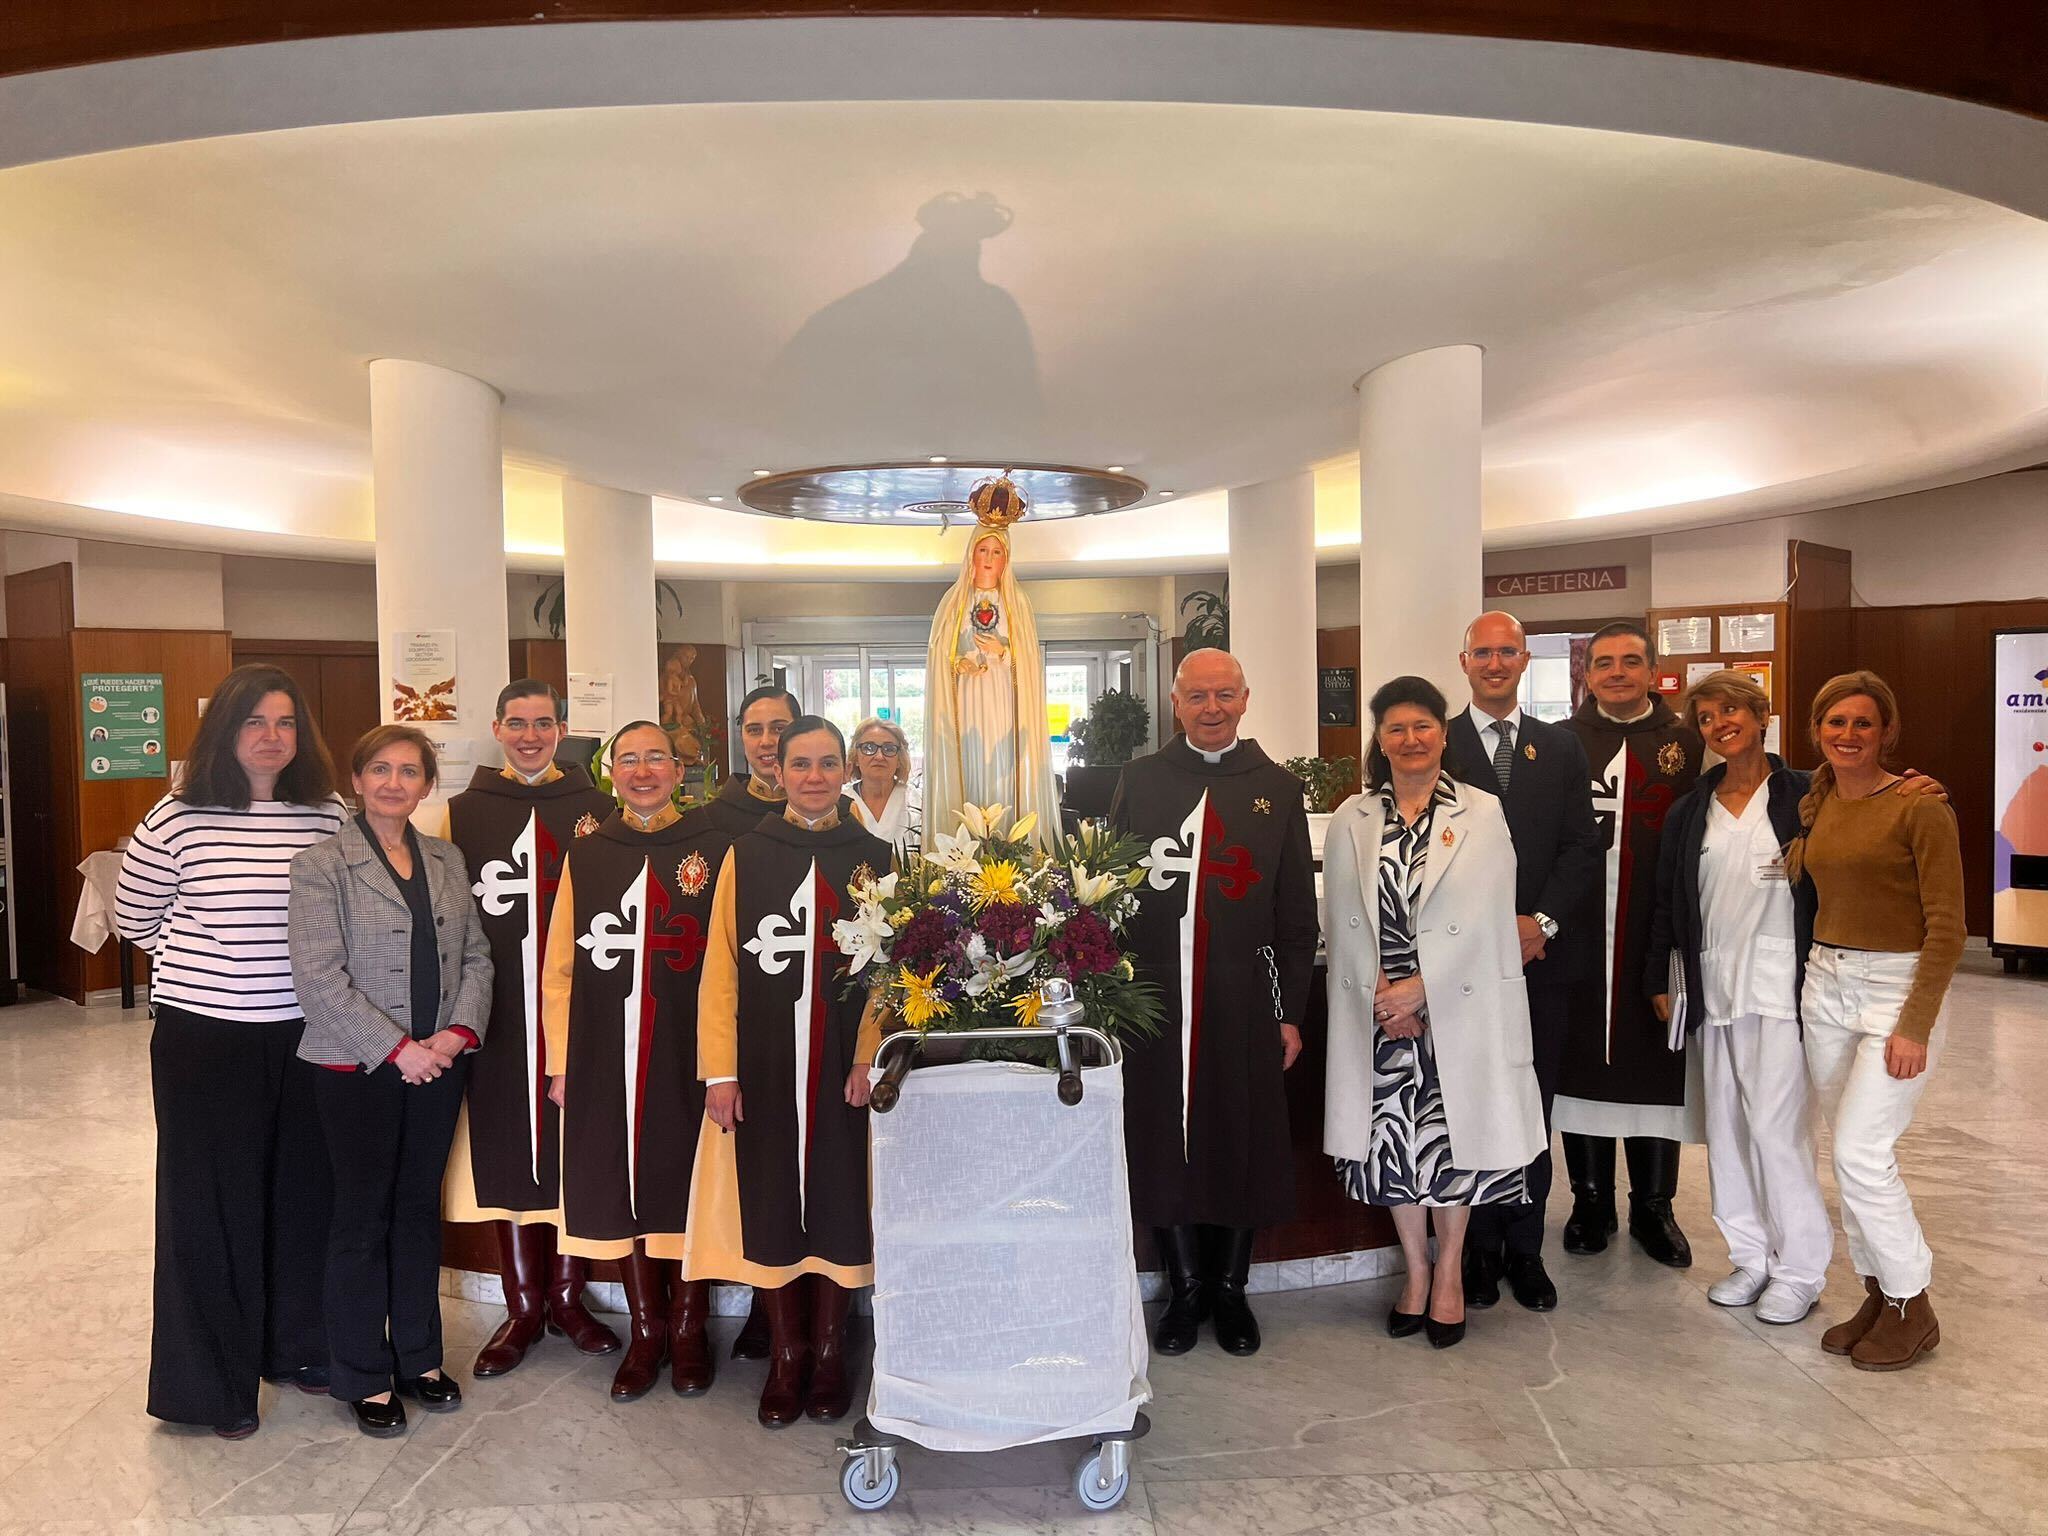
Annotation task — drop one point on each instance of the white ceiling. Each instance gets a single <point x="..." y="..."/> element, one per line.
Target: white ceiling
<point x="671" y="297"/>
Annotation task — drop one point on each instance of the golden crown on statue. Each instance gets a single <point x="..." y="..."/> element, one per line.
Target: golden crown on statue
<point x="997" y="503"/>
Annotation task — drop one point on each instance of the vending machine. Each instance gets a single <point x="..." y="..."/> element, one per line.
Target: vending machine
<point x="2019" y="795"/>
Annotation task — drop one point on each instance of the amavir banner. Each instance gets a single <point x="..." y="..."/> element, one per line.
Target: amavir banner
<point x="2019" y="790"/>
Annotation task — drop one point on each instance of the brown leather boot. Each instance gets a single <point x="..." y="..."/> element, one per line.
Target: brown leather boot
<point x="831" y="1393"/>
<point x="566" y="1312"/>
<point x="752" y="1342"/>
<point x="789" y="1352"/>
<point x="689" y="1305"/>
<point x="1904" y="1331"/>
<point x="647" y="1302"/>
<point x="523" y="1267"/>
<point x="1841" y="1338"/>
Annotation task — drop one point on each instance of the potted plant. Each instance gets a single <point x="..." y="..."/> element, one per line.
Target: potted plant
<point x="1210" y="626"/>
<point x="1326" y="781"/>
<point x="1099" y="745"/>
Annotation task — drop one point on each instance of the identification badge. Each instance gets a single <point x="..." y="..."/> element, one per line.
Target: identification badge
<point x="1771" y="871"/>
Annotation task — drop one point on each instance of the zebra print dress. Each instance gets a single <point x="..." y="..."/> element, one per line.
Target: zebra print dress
<point x="1409" y="1159"/>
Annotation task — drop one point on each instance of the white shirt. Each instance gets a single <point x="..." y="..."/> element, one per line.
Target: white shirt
<point x="900" y="821"/>
<point x="1748" y="958"/>
<point x="1484" y="723"/>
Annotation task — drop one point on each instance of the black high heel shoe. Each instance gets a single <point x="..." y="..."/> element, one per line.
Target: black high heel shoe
<point x="436" y="1394"/>
<point x="1443" y="1335"/>
<point x="1401" y="1325"/>
<point x="380" y="1421"/>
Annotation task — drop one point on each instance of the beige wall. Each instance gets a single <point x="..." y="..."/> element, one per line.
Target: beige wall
<point x="268" y="599"/>
<point x="128" y="586"/>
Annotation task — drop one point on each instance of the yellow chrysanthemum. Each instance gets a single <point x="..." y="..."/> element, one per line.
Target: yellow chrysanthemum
<point x="901" y="917"/>
<point x="1026" y="1005"/>
<point x="921" y="1000"/>
<point x="994" y="884"/>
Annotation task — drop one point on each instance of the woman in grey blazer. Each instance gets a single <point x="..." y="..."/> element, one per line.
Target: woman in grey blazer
<point x="1430" y="1098"/>
<point x="394" y="973"/>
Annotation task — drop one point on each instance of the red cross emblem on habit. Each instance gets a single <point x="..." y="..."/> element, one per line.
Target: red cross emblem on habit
<point x="528" y="879"/>
<point x="644" y="930"/>
<point x="1198" y="853"/>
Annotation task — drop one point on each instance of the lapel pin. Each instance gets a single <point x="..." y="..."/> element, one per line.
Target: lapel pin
<point x="1529" y="751"/>
<point x="1449" y="837"/>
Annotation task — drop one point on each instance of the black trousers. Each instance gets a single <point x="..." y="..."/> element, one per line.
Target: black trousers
<point x="1519" y="1228"/>
<point x="242" y="1200"/>
<point x="389" y="1144"/>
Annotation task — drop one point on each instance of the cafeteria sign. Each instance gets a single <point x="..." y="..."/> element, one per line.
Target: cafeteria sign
<point x="122" y="716"/>
<point x="1585" y="578"/>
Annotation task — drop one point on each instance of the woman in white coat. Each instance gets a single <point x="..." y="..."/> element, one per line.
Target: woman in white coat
<point x="1430" y="1098"/>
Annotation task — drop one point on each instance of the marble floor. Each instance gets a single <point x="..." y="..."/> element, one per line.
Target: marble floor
<point x="1634" y="1408"/>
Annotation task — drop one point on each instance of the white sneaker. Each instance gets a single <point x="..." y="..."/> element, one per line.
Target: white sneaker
<point x="1783" y="1302"/>
<point x="1738" y="1290"/>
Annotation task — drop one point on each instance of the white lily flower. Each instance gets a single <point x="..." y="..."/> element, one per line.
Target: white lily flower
<point x="1017" y="965"/>
<point x="1023" y="828"/>
<point x="958" y="853"/>
<point x="1090" y="889"/>
<point x="886" y="886"/>
<point x="862" y="936"/>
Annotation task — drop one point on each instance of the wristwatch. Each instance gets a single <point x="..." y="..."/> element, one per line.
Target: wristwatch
<point x="1547" y="923"/>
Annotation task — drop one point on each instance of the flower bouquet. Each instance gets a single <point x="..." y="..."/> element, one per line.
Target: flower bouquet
<point x="963" y="935"/>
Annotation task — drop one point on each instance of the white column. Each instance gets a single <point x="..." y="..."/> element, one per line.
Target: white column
<point x="608" y="596"/>
<point x="1418" y="494"/>
<point x="440" y="516"/>
<point x="1273" y="610"/>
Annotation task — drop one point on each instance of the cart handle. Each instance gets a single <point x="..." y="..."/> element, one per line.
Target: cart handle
<point x="897" y="1064"/>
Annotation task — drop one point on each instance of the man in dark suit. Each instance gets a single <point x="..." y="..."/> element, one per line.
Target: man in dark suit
<point x="1540" y="773"/>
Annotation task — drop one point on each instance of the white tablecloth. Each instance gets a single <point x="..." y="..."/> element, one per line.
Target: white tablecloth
<point x="93" y="924"/>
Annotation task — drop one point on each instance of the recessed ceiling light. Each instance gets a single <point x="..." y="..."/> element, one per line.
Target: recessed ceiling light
<point x="714" y="498"/>
<point x="1116" y="469"/>
<point x="938" y="458"/>
<point x="761" y="474"/>
<point x="1165" y="493"/>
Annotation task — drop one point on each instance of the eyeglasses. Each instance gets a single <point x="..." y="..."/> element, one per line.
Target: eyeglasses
<point x="1489" y="652"/>
<point x="878" y="749"/>
<point x="632" y="760"/>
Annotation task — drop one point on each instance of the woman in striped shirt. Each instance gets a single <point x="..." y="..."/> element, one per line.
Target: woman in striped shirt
<point x="242" y="1184"/>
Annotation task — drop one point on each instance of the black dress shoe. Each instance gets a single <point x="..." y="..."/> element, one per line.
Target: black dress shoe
<point x="1651" y="1224"/>
<point x="1402" y="1325"/>
<point x="1529" y="1281"/>
<point x="436" y="1394"/>
<point x="237" y="1429"/>
<point x="1589" y="1226"/>
<point x="1443" y="1335"/>
<point x="380" y="1421"/>
<point x="1186" y="1295"/>
<point x="1227" y="1270"/>
<point x="1482" y="1279"/>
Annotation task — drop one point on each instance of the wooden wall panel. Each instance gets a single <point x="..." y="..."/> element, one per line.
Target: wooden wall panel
<point x="338" y="678"/>
<point x="42" y="743"/>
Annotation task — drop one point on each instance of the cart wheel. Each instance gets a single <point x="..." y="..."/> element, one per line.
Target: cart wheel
<point x="853" y="1482"/>
<point x="1092" y="1491"/>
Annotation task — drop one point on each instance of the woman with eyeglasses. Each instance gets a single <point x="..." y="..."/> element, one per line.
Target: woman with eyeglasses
<point x="878" y="788"/>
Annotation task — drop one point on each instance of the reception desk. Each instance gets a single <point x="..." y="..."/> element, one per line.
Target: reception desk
<point x="1331" y="1240"/>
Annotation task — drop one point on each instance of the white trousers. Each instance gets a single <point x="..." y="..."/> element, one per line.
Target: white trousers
<point x="1850" y="1005"/>
<point x="1766" y="1190"/>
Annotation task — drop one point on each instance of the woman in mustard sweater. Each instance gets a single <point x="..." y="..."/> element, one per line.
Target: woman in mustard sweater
<point x="1888" y="872"/>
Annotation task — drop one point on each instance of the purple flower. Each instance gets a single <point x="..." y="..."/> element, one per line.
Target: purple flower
<point x="1085" y="946"/>
<point x="1008" y="927"/>
<point x="924" y="939"/>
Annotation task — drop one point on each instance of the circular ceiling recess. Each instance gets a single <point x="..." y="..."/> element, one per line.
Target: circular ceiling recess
<point x="928" y="495"/>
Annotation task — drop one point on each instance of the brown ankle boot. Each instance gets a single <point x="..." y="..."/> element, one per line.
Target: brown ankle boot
<point x="830" y="1394"/>
<point x="566" y="1313"/>
<point x="1841" y="1338"/>
<point x="690" y="1367"/>
<point x="789" y="1352"/>
<point x="647" y="1302"/>
<point x="523" y="1268"/>
<point x="1904" y="1331"/>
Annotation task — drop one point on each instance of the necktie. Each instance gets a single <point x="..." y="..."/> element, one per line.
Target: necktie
<point x="1503" y="751"/>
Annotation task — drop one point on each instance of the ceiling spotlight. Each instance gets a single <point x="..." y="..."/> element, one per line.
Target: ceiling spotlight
<point x="762" y="474"/>
<point x="938" y="458"/>
<point x="1116" y="469"/>
<point x="714" y="498"/>
<point x="1164" y="494"/>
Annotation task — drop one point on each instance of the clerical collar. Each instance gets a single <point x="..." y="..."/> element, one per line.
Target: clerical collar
<point x="1607" y="714"/>
<point x="547" y="775"/>
<point x="824" y="823"/>
<point x="667" y="816"/>
<point x="772" y="794"/>
<point x="1213" y="758"/>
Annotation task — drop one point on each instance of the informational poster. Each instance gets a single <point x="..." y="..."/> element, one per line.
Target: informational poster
<point x="1685" y="637"/>
<point x="1058" y="717"/>
<point x="1749" y="631"/>
<point x="122" y="716"/>
<point x="423" y="685"/>
<point x="2019" y="790"/>
<point x="1758" y="672"/>
<point x="1337" y="695"/>
<point x="590" y="704"/>
<point x="1697" y="672"/>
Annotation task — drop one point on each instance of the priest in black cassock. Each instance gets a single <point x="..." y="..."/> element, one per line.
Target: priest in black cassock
<point x="784" y="1045"/>
<point x="1619" y="1076"/>
<point x="625" y="947"/>
<point x="514" y="826"/>
<point x="1227" y="928"/>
